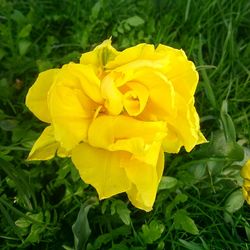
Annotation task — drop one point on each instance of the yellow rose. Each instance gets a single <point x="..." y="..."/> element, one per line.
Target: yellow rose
<point x="245" y="173"/>
<point x="115" y="113"/>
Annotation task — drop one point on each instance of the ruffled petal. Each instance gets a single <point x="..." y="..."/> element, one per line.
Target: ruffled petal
<point x="71" y="113"/>
<point x="145" y="179"/>
<point x="111" y="94"/>
<point x="186" y="125"/>
<point x="179" y="71"/>
<point x="127" y="134"/>
<point x="246" y="190"/>
<point x="100" y="56"/>
<point x="135" y="98"/>
<point x="102" y="169"/>
<point x="172" y="143"/>
<point x="45" y="146"/>
<point x="36" y="99"/>
<point x="245" y="171"/>
<point x="80" y="76"/>
<point x="161" y="102"/>
<point x="140" y="52"/>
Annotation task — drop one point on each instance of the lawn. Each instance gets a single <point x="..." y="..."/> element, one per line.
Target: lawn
<point x="199" y="204"/>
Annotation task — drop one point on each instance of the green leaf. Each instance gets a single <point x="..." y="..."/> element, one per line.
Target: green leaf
<point x="34" y="235"/>
<point x="152" y="232"/>
<point x="167" y="182"/>
<point x="23" y="222"/>
<point x="122" y="210"/>
<point x="235" y="201"/>
<point x="6" y="90"/>
<point x="96" y="9"/>
<point x="221" y="147"/>
<point x="80" y="228"/>
<point x="183" y="221"/>
<point x="25" y="31"/>
<point x="179" y="198"/>
<point x="120" y="232"/>
<point x="8" y="124"/>
<point x="191" y="245"/>
<point x="227" y="123"/>
<point x="134" y="21"/>
<point x="23" y="46"/>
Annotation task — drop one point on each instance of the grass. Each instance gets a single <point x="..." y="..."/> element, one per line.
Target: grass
<point x="200" y="207"/>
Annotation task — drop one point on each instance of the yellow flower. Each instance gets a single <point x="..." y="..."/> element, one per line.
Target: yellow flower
<point x="245" y="173"/>
<point x="115" y="113"/>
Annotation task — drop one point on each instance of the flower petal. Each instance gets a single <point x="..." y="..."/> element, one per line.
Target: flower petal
<point x="36" y="99"/>
<point x="172" y="142"/>
<point x="136" y="53"/>
<point x="81" y="76"/>
<point x="161" y="101"/>
<point x="45" y="146"/>
<point x="246" y="190"/>
<point x="135" y="98"/>
<point x="126" y="133"/>
<point x="188" y="129"/>
<point x="102" y="169"/>
<point x="100" y="56"/>
<point x="145" y="179"/>
<point x="111" y="94"/>
<point x="245" y="171"/>
<point x="71" y="112"/>
<point x="180" y="71"/>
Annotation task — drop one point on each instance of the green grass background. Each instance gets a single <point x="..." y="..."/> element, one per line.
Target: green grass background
<point x="199" y="203"/>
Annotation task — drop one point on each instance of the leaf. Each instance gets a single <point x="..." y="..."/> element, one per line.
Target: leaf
<point x="121" y="209"/>
<point x="8" y="124"/>
<point x="227" y="123"/>
<point x="23" y="222"/>
<point x="152" y="232"/>
<point x="167" y="182"/>
<point x="179" y="198"/>
<point x="103" y="239"/>
<point x="34" y="235"/>
<point x="222" y="147"/>
<point x="233" y="203"/>
<point x="123" y="212"/>
<point x="183" y="221"/>
<point x="191" y="245"/>
<point x="134" y="21"/>
<point x="80" y="228"/>
<point x="96" y="9"/>
<point x="25" y="31"/>
<point x="6" y="90"/>
<point x="23" y="46"/>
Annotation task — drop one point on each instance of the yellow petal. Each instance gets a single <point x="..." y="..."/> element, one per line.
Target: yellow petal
<point x="186" y="124"/>
<point x="36" y="99"/>
<point x="126" y="133"/>
<point x="246" y="190"/>
<point x="245" y="171"/>
<point x="71" y="113"/>
<point x="45" y="147"/>
<point x="100" y="56"/>
<point x="111" y="94"/>
<point x="179" y="71"/>
<point x="161" y="101"/>
<point x="139" y="52"/>
<point x="172" y="142"/>
<point x="75" y="75"/>
<point x="143" y="192"/>
<point x="135" y="98"/>
<point x="102" y="169"/>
